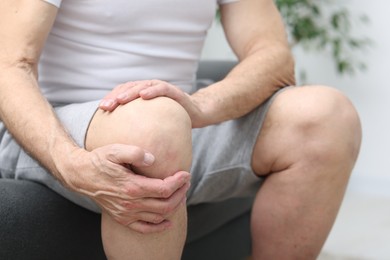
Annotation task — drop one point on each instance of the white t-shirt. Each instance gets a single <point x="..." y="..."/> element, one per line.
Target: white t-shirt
<point x="96" y="44"/>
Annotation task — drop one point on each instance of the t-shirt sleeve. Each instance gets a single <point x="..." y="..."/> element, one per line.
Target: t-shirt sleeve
<point x="221" y="2"/>
<point x="57" y="3"/>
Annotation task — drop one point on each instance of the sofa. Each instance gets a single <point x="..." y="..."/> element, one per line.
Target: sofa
<point x="36" y="223"/>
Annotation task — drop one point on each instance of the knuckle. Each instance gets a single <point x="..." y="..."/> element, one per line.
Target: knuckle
<point x="157" y="219"/>
<point x="164" y="192"/>
<point x="166" y="209"/>
<point x="129" y="205"/>
<point x="136" y="153"/>
<point x="119" y="87"/>
<point x="165" y="86"/>
<point x="97" y="160"/>
<point x="122" y="221"/>
<point x="112" y="152"/>
<point x="133" y="190"/>
<point x="129" y="84"/>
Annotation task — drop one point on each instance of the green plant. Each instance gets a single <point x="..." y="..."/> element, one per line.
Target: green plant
<point x="326" y="25"/>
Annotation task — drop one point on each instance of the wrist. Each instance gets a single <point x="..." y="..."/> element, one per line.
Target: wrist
<point x="207" y="105"/>
<point x="67" y="159"/>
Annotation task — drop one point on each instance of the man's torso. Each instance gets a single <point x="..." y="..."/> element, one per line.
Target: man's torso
<point x="96" y="44"/>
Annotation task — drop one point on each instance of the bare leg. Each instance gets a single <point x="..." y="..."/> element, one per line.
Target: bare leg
<point x="162" y="127"/>
<point x="307" y="150"/>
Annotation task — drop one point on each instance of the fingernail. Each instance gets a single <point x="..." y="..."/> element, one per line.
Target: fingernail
<point x="106" y="103"/>
<point x="148" y="159"/>
<point x="122" y="96"/>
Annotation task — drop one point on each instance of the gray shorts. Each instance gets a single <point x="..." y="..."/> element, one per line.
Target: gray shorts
<point x="221" y="166"/>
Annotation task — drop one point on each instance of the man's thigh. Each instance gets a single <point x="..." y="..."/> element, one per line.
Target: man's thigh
<point x="222" y="158"/>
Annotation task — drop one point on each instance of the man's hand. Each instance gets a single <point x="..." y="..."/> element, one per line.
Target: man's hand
<point x="149" y="89"/>
<point x="143" y="204"/>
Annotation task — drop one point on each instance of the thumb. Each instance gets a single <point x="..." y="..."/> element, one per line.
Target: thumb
<point x="129" y="154"/>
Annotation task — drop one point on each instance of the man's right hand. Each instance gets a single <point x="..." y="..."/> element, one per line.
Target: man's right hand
<point x="143" y="204"/>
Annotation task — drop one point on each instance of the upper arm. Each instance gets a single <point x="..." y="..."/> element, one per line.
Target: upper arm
<point x="252" y="24"/>
<point x="24" y="26"/>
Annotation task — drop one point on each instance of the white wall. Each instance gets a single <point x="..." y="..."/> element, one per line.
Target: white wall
<point x="369" y="91"/>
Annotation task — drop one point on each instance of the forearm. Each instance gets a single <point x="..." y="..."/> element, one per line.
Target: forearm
<point x="24" y="27"/>
<point x="262" y="72"/>
<point x="256" y="34"/>
<point x="30" y="118"/>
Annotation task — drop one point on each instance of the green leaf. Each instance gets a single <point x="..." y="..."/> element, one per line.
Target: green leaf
<point x="325" y="26"/>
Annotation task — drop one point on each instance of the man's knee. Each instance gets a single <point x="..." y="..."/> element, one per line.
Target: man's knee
<point x="312" y="121"/>
<point x="321" y="107"/>
<point x="160" y="126"/>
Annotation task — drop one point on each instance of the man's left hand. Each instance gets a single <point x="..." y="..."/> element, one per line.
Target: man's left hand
<point x="149" y="89"/>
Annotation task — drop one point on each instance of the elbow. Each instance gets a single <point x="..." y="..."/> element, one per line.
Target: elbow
<point x="23" y="65"/>
<point x="287" y="71"/>
<point x="27" y="64"/>
<point x="281" y="65"/>
<point x="23" y="59"/>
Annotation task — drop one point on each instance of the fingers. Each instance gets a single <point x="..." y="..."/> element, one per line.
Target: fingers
<point x="131" y="90"/>
<point x="148" y="215"/>
<point x="123" y="94"/>
<point x="152" y="210"/>
<point x="141" y="222"/>
<point x="166" y="207"/>
<point x="159" y="89"/>
<point x="144" y="204"/>
<point x="138" y="186"/>
<point x="162" y="189"/>
<point x="130" y="217"/>
<point x="126" y="154"/>
<point x="147" y="228"/>
<point x="150" y="222"/>
<point x="146" y="89"/>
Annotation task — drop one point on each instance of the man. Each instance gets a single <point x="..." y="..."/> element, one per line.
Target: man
<point x="129" y="154"/>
